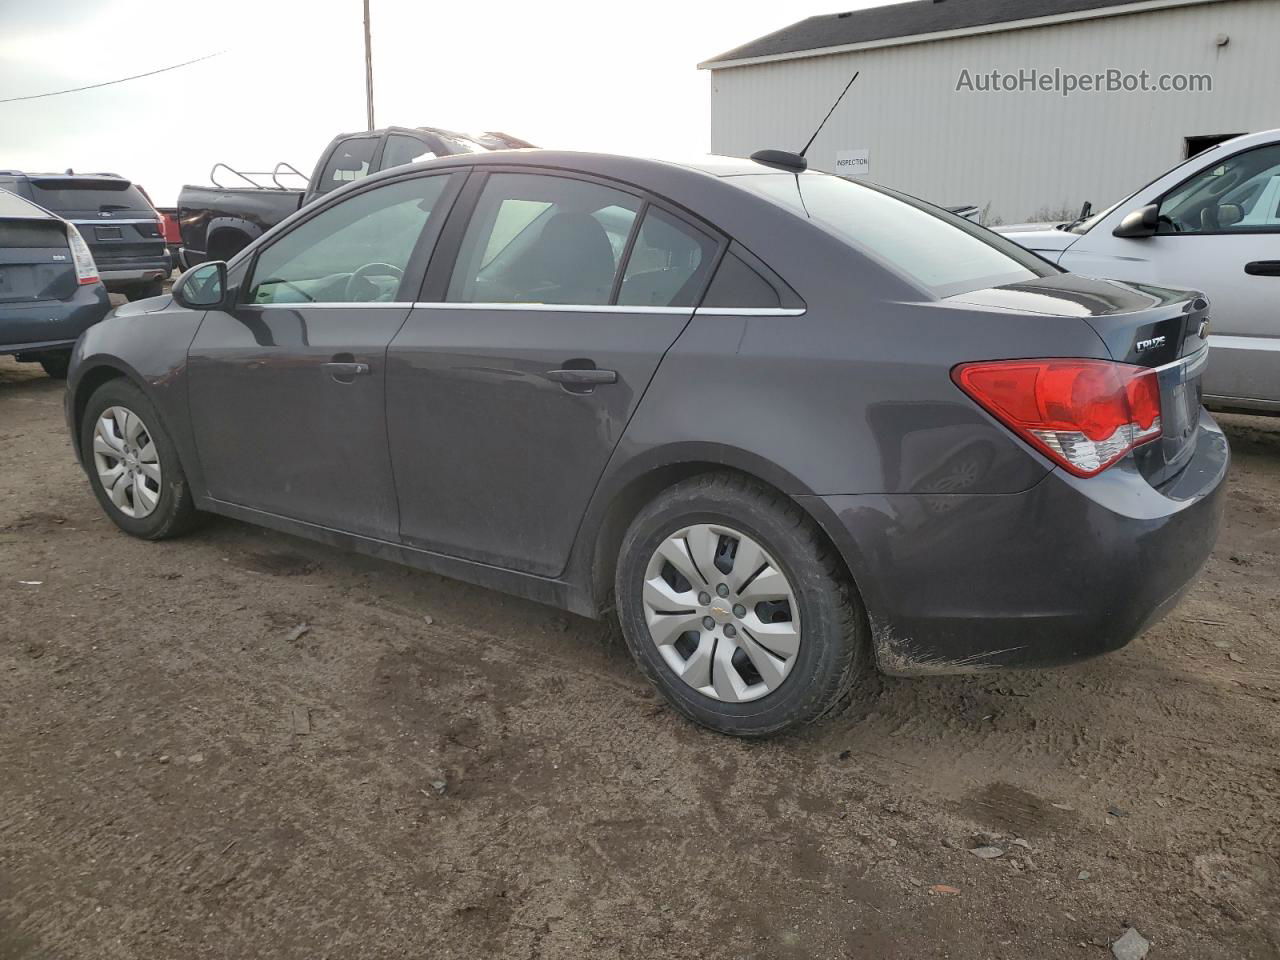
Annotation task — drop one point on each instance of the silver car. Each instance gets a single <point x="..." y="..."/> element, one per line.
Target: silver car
<point x="1213" y="223"/>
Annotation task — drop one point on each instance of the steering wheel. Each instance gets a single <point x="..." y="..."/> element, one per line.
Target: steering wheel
<point x="1174" y="224"/>
<point x="362" y="274"/>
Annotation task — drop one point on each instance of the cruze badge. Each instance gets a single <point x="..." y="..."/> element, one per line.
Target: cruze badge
<point x="1150" y="344"/>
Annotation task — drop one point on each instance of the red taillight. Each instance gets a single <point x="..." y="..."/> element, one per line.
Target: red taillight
<point x="1082" y="414"/>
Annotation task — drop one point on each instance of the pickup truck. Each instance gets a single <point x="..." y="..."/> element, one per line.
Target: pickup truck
<point x="218" y="222"/>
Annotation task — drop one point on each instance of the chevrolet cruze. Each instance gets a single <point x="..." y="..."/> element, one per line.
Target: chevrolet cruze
<point x="790" y="428"/>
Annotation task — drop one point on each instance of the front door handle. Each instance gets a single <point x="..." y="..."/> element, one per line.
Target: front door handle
<point x="345" y="371"/>
<point x="582" y="379"/>
<point x="1263" y="268"/>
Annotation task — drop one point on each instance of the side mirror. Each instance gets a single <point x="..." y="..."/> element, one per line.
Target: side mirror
<point x="1139" y="223"/>
<point x="203" y="287"/>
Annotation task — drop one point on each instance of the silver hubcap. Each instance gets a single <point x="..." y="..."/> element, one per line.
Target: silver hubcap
<point x="721" y="612"/>
<point x="127" y="462"/>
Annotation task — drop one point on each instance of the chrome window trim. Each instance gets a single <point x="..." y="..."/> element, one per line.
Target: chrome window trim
<point x="751" y="311"/>
<point x="333" y="304"/>
<point x="545" y="307"/>
<point x="550" y="307"/>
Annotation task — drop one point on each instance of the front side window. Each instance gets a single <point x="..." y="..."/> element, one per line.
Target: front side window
<point x="351" y="160"/>
<point x="1239" y="195"/>
<point x="938" y="251"/>
<point x="543" y="239"/>
<point x="354" y="252"/>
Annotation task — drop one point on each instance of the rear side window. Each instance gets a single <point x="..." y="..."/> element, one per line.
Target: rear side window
<point x="938" y="251"/>
<point x="668" y="265"/>
<point x="535" y="238"/>
<point x="350" y="161"/>
<point x="67" y="196"/>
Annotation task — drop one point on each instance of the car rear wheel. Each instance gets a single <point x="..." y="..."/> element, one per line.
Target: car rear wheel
<point x="133" y="465"/>
<point x="737" y="608"/>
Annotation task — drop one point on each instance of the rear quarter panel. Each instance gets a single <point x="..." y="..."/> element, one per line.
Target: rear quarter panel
<point x="851" y="399"/>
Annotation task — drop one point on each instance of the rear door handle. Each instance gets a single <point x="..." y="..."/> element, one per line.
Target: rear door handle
<point x="345" y="371"/>
<point x="1263" y="268"/>
<point x="582" y="378"/>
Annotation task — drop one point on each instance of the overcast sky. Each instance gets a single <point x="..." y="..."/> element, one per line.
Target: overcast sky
<point x="593" y="76"/>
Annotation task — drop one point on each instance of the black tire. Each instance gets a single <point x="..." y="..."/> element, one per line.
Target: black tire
<point x="141" y="291"/>
<point x="55" y="364"/>
<point x="175" y="512"/>
<point x="833" y="652"/>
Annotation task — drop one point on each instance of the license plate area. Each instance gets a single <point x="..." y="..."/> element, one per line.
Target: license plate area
<point x="108" y="233"/>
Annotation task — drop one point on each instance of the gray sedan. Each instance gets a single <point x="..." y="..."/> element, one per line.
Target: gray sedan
<point x="788" y="427"/>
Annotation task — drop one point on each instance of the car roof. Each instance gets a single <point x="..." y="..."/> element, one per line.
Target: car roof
<point x="14" y="207"/>
<point x="636" y="169"/>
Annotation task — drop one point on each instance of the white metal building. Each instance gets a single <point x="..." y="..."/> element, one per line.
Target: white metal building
<point x="1017" y="153"/>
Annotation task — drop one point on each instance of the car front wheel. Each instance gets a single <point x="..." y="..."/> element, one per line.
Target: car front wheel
<point x="737" y="608"/>
<point x="133" y="465"/>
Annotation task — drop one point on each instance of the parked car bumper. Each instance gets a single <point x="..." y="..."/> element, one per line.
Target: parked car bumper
<point x="49" y="325"/>
<point x="119" y="275"/>
<point x="1069" y="569"/>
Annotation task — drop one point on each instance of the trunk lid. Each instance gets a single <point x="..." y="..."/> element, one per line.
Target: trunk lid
<point x="1147" y="326"/>
<point x="35" y="261"/>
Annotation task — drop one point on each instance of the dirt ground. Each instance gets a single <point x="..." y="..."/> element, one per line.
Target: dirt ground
<point x="435" y="770"/>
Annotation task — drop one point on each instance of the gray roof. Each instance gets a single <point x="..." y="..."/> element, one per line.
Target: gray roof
<point x="904" y="20"/>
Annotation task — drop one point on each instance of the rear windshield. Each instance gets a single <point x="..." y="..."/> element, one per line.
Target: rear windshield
<point x="936" y="250"/>
<point x="91" y="196"/>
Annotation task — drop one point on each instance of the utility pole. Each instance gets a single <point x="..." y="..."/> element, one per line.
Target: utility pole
<point x="368" y="65"/>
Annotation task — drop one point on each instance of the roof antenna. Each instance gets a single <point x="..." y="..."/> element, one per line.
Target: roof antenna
<point x="796" y="162"/>
<point x="830" y="112"/>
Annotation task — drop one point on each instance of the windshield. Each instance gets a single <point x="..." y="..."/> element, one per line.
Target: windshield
<point x="936" y="250"/>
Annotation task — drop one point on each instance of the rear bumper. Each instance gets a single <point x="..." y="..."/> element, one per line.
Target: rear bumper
<point x="116" y="274"/>
<point x="1069" y="569"/>
<point x="51" y="324"/>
